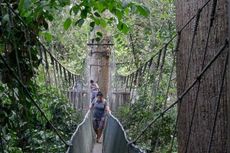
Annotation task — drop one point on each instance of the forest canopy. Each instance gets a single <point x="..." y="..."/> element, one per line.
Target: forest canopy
<point x="138" y="30"/>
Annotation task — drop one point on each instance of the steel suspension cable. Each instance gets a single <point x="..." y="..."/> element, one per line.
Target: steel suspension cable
<point x="169" y="81"/>
<point x="184" y="26"/>
<point x="31" y="32"/>
<point x="218" y="103"/>
<point x="176" y="48"/>
<point x="32" y="100"/>
<point x="166" y="96"/>
<point x="188" y="66"/>
<point x="187" y="70"/>
<point x="213" y="8"/>
<point x="199" y="76"/>
<point x="54" y="72"/>
<point x="161" y="65"/>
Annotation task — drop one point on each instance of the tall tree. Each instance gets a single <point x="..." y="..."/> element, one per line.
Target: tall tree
<point x="198" y="107"/>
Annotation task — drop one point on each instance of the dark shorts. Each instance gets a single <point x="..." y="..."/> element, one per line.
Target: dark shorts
<point x="99" y="123"/>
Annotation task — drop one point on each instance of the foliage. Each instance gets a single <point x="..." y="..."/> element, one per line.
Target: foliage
<point x="137" y="116"/>
<point x="139" y="31"/>
<point x="69" y="46"/>
<point x="24" y="129"/>
<point x="146" y="38"/>
<point x="146" y="35"/>
<point x="150" y="99"/>
<point x="93" y="9"/>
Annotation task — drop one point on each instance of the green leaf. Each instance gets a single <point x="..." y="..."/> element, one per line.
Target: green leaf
<point x="84" y="13"/>
<point x="6" y="18"/>
<point x="143" y="10"/>
<point x="103" y="23"/>
<point x="75" y="9"/>
<point x="99" y="34"/>
<point x="118" y="13"/>
<point x="100" y="21"/>
<point x="100" y="7"/>
<point x="64" y="2"/>
<point x="47" y="36"/>
<point x="97" y="21"/>
<point x="48" y="16"/>
<point x="67" y="23"/>
<point x="98" y="39"/>
<point x="97" y="14"/>
<point x="80" y="22"/>
<point x="24" y="5"/>
<point x="123" y="27"/>
<point x="92" y="24"/>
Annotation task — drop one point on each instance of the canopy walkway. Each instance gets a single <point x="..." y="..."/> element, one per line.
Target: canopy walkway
<point x="114" y="137"/>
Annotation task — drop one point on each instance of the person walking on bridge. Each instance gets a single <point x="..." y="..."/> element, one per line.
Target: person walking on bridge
<point x="99" y="108"/>
<point x="94" y="89"/>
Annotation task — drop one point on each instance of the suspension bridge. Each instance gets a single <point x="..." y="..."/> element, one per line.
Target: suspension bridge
<point x="115" y="139"/>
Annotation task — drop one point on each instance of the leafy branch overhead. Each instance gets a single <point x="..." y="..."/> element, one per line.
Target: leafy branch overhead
<point x="138" y="31"/>
<point x="100" y="13"/>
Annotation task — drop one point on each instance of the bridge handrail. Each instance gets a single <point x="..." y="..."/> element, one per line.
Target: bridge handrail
<point x="119" y="144"/>
<point x="82" y="140"/>
<point x="83" y="121"/>
<point x="121" y="126"/>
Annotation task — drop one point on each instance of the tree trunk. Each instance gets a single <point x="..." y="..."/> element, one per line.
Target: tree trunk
<point x="210" y="83"/>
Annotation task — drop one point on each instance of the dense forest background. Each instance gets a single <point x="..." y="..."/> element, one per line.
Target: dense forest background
<point x="138" y="29"/>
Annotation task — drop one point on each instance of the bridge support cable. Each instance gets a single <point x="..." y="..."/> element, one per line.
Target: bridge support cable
<point x="174" y="131"/>
<point x="213" y="11"/>
<point x="159" y="52"/>
<point x="199" y="76"/>
<point x="186" y="87"/>
<point x="31" y="98"/>
<point x="190" y="53"/>
<point x="186" y="72"/>
<point x="197" y="16"/>
<point x="166" y="95"/>
<point x="26" y="63"/>
<point x="218" y="103"/>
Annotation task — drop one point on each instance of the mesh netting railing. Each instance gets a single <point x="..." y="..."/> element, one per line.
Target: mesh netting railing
<point x="115" y="138"/>
<point x="84" y="137"/>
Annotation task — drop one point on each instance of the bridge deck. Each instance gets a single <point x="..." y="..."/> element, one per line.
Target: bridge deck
<point x="97" y="148"/>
